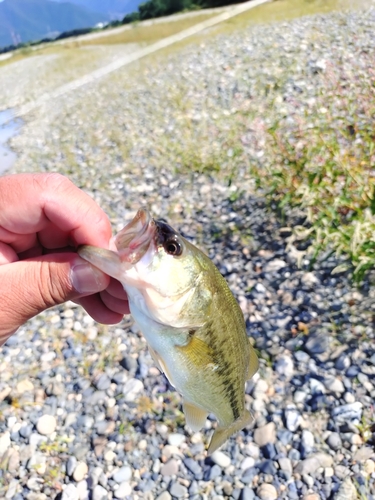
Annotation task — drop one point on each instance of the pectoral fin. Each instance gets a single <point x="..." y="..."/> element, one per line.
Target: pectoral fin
<point x="107" y="261"/>
<point x="198" y="353"/>
<point x="221" y="434"/>
<point x="195" y="417"/>
<point x="253" y="363"/>
<point x="160" y="364"/>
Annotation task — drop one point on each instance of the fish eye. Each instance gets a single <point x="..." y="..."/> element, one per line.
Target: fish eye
<point x="173" y="247"/>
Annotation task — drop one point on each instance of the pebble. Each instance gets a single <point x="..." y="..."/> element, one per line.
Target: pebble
<point x="265" y="434"/>
<point x="70" y="493"/>
<point x="334" y="441"/>
<point x="221" y="459"/>
<point x="267" y="492"/>
<point x="46" y="425"/>
<point x="113" y="409"/>
<point x="99" y="493"/>
<point x="170" y="468"/>
<point x="123" y="474"/>
<point x="123" y="490"/>
<point x="80" y="471"/>
<point x="178" y="490"/>
<point x="175" y="439"/>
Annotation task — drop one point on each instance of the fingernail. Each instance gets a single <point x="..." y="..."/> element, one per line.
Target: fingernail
<point x="86" y="278"/>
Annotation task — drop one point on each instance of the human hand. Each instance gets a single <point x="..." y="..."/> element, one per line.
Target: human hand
<point x="43" y="218"/>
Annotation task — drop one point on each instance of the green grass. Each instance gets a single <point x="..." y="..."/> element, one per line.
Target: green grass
<point x="139" y="33"/>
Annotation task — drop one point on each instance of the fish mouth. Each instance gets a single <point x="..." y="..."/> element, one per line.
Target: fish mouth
<point x="134" y="240"/>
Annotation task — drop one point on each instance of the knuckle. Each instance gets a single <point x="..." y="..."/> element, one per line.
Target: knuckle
<point x="53" y="288"/>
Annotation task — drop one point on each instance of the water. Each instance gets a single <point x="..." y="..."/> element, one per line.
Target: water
<point x="9" y="127"/>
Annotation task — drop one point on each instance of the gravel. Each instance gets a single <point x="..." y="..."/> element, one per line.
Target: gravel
<point x="84" y="411"/>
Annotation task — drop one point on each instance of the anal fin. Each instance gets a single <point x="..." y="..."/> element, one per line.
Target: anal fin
<point x="195" y="417"/>
<point x="160" y="364"/>
<point x="221" y="434"/>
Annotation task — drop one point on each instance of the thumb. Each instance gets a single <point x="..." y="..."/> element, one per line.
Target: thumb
<point x="33" y="285"/>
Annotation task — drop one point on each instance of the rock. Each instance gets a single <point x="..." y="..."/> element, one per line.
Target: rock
<point x="46" y="425"/>
<point x="24" y="386"/>
<point x="344" y="413"/>
<point x="70" y="493"/>
<point x="285" y="465"/>
<point x="312" y="463"/>
<point x="177" y="490"/>
<point x="334" y="441"/>
<point x="99" y="493"/>
<point x="292" y="418"/>
<point x="221" y="459"/>
<point x="103" y="382"/>
<point x="131" y="389"/>
<point x="170" y="468"/>
<point x="164" y="496"/>
<point x="265" y="434"/>
<point x="317" y="344"/>
<point x="4" y="442"/>
<point x="123" y="474"/>
<point x="14" y="460"/>
<point x="105" y="427"/>
<point x="274" y="266"/>
<point x="123" y="490"/>
<point x="369" y="466"/>
<point x="267" y="492"/>
<point x="80" y="471"/>
<point x="284" y="366"/>
<point x="363" y="453"/>
<point x="175" y="439"/>
<point x="37" y="463"/>
<point x="34" y="483"/>
<point x="247" y="494"/>
<point x="333" y="384"/>
<point x="347" y="491"/>
<point x="71" y="465"/>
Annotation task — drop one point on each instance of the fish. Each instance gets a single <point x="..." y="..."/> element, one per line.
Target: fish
<point x="194" y="327"/>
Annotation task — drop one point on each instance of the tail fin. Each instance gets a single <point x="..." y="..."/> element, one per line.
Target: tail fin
<point x="221" y="434"/>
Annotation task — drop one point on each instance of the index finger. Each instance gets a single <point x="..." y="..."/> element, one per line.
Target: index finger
<point x="31" y="202"/>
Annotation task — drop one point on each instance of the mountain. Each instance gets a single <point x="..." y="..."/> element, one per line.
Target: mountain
<point x="115" y="9"/>
<point x="27" y="20"/>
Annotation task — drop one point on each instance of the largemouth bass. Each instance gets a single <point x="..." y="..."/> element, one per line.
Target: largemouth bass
<point x="193" y="325"/>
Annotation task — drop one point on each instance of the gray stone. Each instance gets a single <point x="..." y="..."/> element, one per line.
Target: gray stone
<point x="312" y="463"/>
<point x="334" y="441"/>
<point x="71" y="465"/>
<point x="284" y="366"/>
<point x="176" y="439"/>
<point x="70" y="493"/>
<point x="292" y="418"/>
<point x="131" y="389"/>
<point x="344" y="413"/>
<point x="164" y="496"/>
<point x="177" y="490"/>
<point x="334" y="384"/>
<point x="99" y="493"/>
<point x="170" y="468"/>
<point x="123" y="474"/>
<point x="347" y="491"/>
<point x="123" y="490"/>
